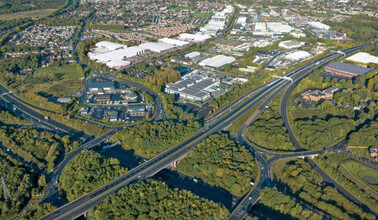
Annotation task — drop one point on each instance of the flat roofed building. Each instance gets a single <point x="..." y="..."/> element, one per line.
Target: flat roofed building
<point x="110" y="45"/>
<point x="345" y="69"/>
<point x="318" y="25"/>
<point x="194" y="37"/>
<point x="192" y="55"/>
<point x="101" y="86"/>
<point x="363" y="57"/>
<point x="194" y="87"/>
<point x="177" y="43"/>
<point x="158" y="47"/>
<point x="290" y="44"/>
<point x="298" y="55"/>
<point x="217" y="61"/>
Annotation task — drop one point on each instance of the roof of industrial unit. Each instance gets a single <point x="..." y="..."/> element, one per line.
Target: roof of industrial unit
<point x="349" y="68"/>
<point x="157" y="46"/>
<point x="178" y="43"/>
<point x="110" y="45"/>
<point x="298" y="55"/>
<point x="194" y="37"/>
<point x="217" y="61"/>
<point x="363" y="57"/>
<point x="106" y="84"/>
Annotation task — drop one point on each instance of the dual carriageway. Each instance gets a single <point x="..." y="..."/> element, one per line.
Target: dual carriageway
<point x="222" y="120"/>
<point x="83" y="204"/>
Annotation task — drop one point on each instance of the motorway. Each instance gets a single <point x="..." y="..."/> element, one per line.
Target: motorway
<point x="265" y="165"/>
<point x="154" y="165"/>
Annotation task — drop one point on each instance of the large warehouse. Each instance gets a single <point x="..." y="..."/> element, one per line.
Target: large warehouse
<point x="118" y="56"/>
<point x="196" y="38"/>
<point x="193" y="87"/>
<point x="114" y="55"/>
<point x="345" y="69"/>
<point x="216" y="61"/>
<point x="298" y="55"/>
<point x="363" y="57"/>
<point x="290" y="44"/>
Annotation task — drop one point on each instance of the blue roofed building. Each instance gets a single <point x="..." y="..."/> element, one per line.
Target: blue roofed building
<point x="346" y="69"/>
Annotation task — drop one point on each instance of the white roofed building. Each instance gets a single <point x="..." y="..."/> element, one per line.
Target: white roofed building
<point x="318" y="25"/>
<point x="363" y="57"/>
<point x="194" y="37"/>
<point x="298" y="55"/>
<point x="290" y="44"/>
<point x="157" y="47"/>
<point x="217" y="61"/>
<point x="177" y="43"/>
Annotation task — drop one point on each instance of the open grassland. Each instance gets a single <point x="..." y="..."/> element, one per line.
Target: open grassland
<point x="202" y="15"/>
<point x="27" y="14"/>
<point x="362" y="172"/>
<point x="60" y="88"/>
<point x="66" y="71"/>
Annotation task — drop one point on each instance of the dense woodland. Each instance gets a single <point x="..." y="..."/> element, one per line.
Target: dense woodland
<point x="303" y="182"/>
<point x="268" y="130"/>
<point x="333" y="121"/>
<point x="88" y="171"/>
<point x="361" y="28"/>
<point x="221" y="162"/>
<point x="7" y="117"/>
<point x="276" y="200"/>
<point x="153" y="199"/>
<point x="151" y="139"/>
<point x="332" y="164"/>
<point x="40" y="147"/>
<point x="22" y="184"/>
<point x="37" y="211"/>
<point x="366" y="135"/>
<point x="7" y="6"/>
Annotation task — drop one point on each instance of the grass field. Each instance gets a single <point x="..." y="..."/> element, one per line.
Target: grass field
<point x="202" y="15"/>
<point x="27" y="14"/>
<point x="66" y="71"/>
<point x="60" y="88"/>
<point x="368" y="29"/>
<point x="360" y="171"/>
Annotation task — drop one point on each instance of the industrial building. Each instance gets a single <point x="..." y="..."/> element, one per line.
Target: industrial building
<point x="95" y="86"/>
<point x="298" y="55"/>
<point x="290" y="44"/>
<point x="216" y="61"/>
<point x="347" y="70"/>
<point x="272" y="29"/>
<point x="318" y="25"/>
<point x="195" y="38"/>
<point x="363" y="57"/>
<point x="193" y="87"/>
<point x="119" y="56"/>
<point x="192" y="55"/>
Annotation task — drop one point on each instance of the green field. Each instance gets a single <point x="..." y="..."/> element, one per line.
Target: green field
<point x="202" y="15"/>
<point x="62" y="88"/>
<point x="361" y="172"/>
<point x="27" y="14"/>
<point x="368" y="29"/>
<point x="66" y="71"/>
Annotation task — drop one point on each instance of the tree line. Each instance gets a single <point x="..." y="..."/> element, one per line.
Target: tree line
<point x="88" y="171"/>
<point x="151" y="139"/>
<point x="304" y="183"/>
<point x="40" y="147"/>
<point x="152" y="199"/>
<point x="221" y="162"/>
<point x="22" y="184"/>
<point x="268" y="130"/>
